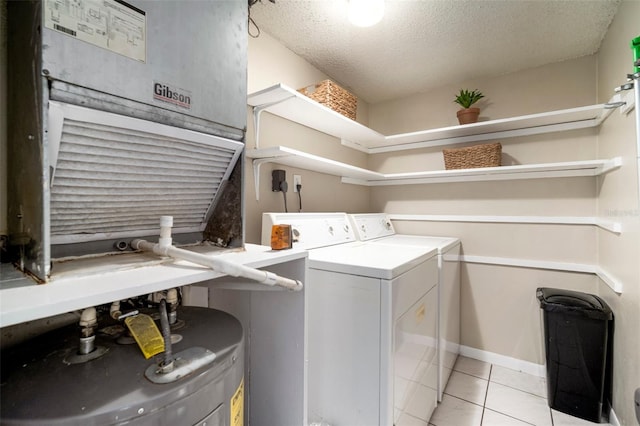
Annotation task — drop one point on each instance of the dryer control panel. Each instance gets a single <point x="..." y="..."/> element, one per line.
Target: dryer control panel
<point x="371" y="225"/>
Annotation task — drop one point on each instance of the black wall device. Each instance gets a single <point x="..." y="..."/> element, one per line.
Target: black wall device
<point x="277" y="177"/>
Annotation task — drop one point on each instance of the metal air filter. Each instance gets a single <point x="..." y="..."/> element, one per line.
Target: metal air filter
<point x="115" y="175"/>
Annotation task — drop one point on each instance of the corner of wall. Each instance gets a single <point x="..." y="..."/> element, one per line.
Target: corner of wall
<point x="618" y="200"/>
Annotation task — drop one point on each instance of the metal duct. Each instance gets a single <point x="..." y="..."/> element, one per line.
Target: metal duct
<point x="115" y="175"/>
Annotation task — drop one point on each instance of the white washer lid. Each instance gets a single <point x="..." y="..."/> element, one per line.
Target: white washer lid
<point x="369" y="260"/>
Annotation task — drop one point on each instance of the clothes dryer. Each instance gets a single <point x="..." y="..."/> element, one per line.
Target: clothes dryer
<point x="376" y="228"/>
<point x="371" y="316"/>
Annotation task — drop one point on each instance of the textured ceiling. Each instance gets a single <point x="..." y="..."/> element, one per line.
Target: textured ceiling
<point x="423" y="44"/>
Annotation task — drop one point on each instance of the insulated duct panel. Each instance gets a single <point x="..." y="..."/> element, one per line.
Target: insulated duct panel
<point x="115" y="175"/>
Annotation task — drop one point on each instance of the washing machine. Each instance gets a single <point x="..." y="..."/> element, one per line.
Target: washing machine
<point x="372" y="317"/>
<point x="376" y="228"/>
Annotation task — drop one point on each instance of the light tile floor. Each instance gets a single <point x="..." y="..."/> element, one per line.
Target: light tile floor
<point x="481" y="394"/>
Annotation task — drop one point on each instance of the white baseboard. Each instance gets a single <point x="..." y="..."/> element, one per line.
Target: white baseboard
<point x="504" y="361"/>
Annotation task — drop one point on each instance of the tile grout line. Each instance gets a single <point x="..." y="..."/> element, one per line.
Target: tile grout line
<point x="521" y="390"/>
<point x="484" y="407"/>
<point x="488" y="382"/>
<point x="469" y="400"/>
<point x="486" y="394"/>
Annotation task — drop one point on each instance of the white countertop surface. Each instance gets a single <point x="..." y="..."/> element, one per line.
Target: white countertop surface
<point x="80" y="283"/>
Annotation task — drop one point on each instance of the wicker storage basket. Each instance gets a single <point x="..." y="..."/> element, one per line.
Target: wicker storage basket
<point x="332" y="96"/>
<point x="486" y="155"/>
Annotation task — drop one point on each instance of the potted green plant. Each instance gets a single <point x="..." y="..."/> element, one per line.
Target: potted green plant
<point x="465" y="99"/>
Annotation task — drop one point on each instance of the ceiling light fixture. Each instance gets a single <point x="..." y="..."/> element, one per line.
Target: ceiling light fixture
<point x="365" y="13"/>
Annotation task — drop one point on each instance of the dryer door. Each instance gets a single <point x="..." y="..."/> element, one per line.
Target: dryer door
<point x="415" y="371"/>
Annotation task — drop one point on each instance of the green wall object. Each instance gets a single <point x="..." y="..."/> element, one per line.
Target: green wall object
<point x="635" y="46"/>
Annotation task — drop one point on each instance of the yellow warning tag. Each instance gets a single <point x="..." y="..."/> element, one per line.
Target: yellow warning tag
<point x="420" y="314"/>
<point x="146" y="333"/>
<point x="237" y="406"/>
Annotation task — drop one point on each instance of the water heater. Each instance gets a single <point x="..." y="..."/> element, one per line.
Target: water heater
<point x="46" y="382"/>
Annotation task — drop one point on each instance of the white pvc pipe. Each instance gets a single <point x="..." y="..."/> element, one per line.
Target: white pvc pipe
<point x="172" y="296"/>
<point x="89" y="317"/>
<point x="114" y="310"/>
<point x="220" y="265"/>
<point x="166" y="222"/>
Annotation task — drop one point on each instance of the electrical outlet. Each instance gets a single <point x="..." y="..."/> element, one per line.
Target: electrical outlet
<point x="297" y="180"/>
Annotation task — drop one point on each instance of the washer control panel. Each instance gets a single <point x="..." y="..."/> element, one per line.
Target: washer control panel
<point x="311" y="230"/>
<point x="371" y="225"/>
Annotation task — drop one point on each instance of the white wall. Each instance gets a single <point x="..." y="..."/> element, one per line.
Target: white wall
<point x="270" y="63"/>
<point x="618" y="200"/>
<point x="526" y="92"/>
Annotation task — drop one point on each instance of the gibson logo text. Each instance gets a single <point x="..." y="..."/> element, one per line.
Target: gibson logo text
<point x="179" y="97"/>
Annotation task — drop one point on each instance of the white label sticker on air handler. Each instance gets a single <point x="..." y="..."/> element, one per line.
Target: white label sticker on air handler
<point x="110" y="24"/>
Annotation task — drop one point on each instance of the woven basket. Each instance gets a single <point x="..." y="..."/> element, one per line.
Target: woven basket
<point x="486" y="155"/>
<point x="332" y="96"/>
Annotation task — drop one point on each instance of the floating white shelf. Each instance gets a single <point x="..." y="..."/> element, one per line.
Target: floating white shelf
<point x="302" y="160"/>
<point x="287" y="103"/>
<point x="525" y="171"/>
<point x="359" y="176"/>
<point x="533" y="124"/>
<point x="609" y="225"/>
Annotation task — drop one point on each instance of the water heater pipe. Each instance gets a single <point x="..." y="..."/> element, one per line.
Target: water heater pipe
<point x="164" y="248"/>
<point x="172" y="305"/>
<point x="88" y="322"/>
<point x="167" y="364"/>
